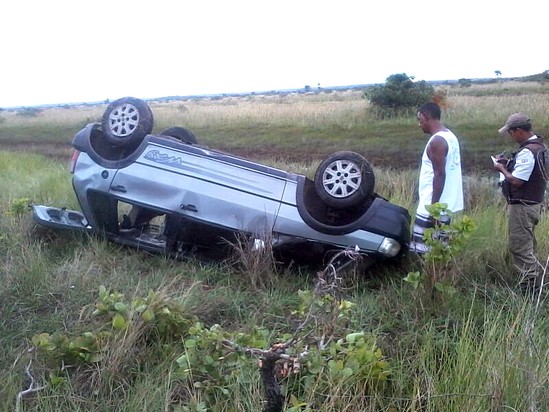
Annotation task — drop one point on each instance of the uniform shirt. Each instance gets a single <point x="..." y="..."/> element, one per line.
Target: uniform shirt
<point x="524" y="163"/>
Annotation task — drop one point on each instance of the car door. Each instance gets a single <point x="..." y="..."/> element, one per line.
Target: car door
<point x="208" y="186"/>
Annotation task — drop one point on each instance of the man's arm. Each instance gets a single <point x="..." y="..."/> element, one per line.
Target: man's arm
<point x="437" y="150"/>
<point x="522" y="170"/>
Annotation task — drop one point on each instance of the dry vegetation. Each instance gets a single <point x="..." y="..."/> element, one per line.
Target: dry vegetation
<point x="349" y="109"/>
<point x="346" y="109"/>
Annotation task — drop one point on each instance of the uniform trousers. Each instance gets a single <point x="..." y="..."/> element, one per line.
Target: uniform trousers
<point x="523" y="219"/>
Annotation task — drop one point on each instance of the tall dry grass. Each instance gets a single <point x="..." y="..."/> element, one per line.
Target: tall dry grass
<point x="487" y="104"/>
<point x="57" y="116"/>
<point x="496" y="109"/>
<point x="345" y="109"/>
<point x="478" y="104"/>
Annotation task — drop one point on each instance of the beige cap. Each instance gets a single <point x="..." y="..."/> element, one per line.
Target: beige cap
<point x="515" y="120"/>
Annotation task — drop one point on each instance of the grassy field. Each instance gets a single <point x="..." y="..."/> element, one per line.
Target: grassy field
<point x="393" y="348"/>
<point x="305" y="127"/>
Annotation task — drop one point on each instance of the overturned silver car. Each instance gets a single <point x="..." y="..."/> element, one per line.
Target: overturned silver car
<point x="167" y="193"/>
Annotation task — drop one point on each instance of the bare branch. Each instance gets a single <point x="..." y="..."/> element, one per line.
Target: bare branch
<point x="31" y="389"/>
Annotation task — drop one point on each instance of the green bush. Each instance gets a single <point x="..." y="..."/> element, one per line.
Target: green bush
<point x="398" y="96"/>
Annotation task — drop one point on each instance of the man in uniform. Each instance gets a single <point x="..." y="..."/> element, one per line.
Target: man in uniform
<point x="523" y="186"/>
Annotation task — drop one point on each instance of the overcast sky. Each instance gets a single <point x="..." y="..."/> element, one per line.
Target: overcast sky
<point x="63" y="51"/>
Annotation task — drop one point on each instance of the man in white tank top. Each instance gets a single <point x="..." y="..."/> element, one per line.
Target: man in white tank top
<point x="440" y="174"/>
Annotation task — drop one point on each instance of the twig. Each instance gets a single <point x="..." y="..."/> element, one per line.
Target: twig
<point x="276" y="351"/>
<point x="31" y="389"/>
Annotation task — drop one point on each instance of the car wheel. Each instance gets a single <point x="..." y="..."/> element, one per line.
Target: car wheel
<point x="127" y="121"/>
<point x="180" y="133"/>
<point x="344" y="179"/>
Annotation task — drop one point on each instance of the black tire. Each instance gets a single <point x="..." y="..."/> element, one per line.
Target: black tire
<point x="127" y="121"/>
<point x="344" y="179"/>
<point x="180" y="133"/>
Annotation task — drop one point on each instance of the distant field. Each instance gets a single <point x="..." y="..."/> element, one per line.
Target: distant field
<point x="304" y="127"/>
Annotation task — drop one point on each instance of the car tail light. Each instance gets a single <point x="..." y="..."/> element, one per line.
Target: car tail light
<point x="74" y="159"/>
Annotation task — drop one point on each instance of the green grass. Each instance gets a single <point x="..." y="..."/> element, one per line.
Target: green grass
<point x="41" y="180"/>
<point x="472" y="352"/>
<point x="484" y="348"/>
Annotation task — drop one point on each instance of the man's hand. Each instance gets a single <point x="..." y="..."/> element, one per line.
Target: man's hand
<point x="500" y="167"/>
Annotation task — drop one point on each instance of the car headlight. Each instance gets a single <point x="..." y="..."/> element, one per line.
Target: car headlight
<point x="389" y="247"/>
